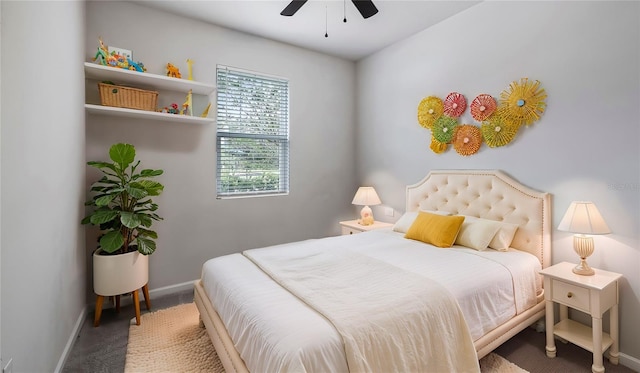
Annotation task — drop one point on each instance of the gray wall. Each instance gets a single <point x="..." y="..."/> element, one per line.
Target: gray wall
<point x="43" y="253"/>
<point x="197" y="226"/>
<point x="585" y="147"/>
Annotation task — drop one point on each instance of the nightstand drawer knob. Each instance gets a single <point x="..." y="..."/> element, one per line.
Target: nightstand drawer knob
<point x="569" y="294"/>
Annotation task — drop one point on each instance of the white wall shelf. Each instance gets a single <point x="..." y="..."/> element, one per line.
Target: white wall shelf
<point x="142" y="114"/>
<point x="119" y="76"/>
<point x="138" y="79"/>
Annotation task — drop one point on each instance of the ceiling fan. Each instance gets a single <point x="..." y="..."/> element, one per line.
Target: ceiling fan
<point x="365" y="7"/>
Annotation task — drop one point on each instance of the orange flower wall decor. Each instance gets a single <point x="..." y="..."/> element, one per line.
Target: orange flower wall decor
<point x="467" y="139"/>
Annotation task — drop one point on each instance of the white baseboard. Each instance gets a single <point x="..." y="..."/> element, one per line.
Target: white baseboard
<point x="630" y="362"/>
<point x="72" y="339"/>
<point x="153" y="293"/>
<point x="172" y="289"/>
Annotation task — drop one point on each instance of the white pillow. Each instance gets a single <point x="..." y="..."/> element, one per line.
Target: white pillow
<point x="502" y="240"/>
<point x="406" y="220"/>
<point x="476" y="233"/>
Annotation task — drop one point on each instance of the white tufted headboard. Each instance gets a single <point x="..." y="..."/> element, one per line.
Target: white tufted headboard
<point x="489" y="194"/>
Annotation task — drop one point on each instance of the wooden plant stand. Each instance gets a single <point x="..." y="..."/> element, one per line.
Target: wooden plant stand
<point x="136" y="304"/>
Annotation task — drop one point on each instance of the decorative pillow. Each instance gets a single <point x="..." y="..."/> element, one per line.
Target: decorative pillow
<point x="502" y="240"/>
<point x="434" y="229"/>
<point x="404" y="223"/>
<point x="476" y="233"/>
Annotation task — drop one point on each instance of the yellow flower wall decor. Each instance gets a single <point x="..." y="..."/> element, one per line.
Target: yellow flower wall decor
<point x="499" y="131"/>
<point x="429" y="110"/>
<point x="437" y="146"/>
<point x="523" y="101"/>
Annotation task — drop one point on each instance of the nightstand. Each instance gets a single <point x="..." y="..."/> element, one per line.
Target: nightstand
<point x="591" y="294"/>
<point x="352" y="226"/>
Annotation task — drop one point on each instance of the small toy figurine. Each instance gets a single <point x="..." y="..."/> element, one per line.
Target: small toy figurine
<point x="102" y="54"/>
<point x="173" y="71"/>
<point x="190" y="68"/>
<point x="206" y="111"/>
<point x="112" y="61"/>
<point x="136" y="66"/>
<point x="171" y="110"/>
<point x="121" y="62"/>
<point x="187" y="107"/>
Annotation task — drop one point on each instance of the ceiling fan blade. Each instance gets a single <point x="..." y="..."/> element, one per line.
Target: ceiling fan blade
<point x="365" y="7"/>
<point x="292" y="8"/>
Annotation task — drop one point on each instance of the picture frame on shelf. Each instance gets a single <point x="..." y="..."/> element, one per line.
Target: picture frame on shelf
<point x="120" y="51"/>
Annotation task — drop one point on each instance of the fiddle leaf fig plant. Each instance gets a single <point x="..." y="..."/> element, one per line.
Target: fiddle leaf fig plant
<point x="122" y="204"/>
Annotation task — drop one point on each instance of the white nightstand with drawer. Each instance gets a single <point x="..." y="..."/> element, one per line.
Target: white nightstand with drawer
<point x="591" y="294"/>
<point x="352" y="226"/>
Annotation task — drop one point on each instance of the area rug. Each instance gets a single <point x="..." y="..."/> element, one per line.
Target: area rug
<point x="171" y="340"/>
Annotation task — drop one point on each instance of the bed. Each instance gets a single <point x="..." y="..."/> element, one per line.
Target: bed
<point x="259" y="322"/>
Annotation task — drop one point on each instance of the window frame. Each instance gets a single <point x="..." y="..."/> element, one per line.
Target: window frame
<point x="281" y="138"/>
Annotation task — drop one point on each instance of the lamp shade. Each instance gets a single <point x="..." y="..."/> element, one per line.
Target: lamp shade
<point x="583" y="217"/>
<point x="366" y="196"/>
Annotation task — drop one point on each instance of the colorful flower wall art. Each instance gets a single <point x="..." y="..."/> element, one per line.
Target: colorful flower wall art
<point x="522" y="103"/>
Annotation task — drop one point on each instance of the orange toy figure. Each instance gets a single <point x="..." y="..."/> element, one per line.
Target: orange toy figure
<point x="173" y="71"/>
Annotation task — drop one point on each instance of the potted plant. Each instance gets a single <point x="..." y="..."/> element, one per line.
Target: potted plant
<point x="124" y="212"/>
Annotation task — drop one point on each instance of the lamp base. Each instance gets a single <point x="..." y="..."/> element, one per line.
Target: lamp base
<point x="583" y="268"/>
<point x="583" y="246"/>
<point x="366" y="216"/>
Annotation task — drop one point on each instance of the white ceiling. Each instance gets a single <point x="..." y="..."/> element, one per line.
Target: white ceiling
<point x="358" y="38"/>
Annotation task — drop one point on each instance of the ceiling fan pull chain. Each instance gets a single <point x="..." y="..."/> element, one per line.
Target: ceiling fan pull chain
<point x="326" y="30"/>
<point x="344" y="10"/>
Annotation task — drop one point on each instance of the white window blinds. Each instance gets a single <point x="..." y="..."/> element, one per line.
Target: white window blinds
<point x="253" y="134"/>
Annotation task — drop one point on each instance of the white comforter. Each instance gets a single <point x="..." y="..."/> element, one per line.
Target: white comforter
<point x="275" y="331"/>
<point x="390" y="320"/>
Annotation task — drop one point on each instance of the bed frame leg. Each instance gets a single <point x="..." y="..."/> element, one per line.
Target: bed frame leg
<point x="200" y="322"/>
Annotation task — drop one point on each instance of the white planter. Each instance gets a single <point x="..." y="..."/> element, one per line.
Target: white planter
<point x="119" y="274"/>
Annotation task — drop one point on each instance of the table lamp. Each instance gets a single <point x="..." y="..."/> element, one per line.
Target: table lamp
<point x="582" y="218"/>
<point x="366" y="196"/>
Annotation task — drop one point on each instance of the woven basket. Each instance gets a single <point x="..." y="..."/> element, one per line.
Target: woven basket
<point x="127" y="97"/>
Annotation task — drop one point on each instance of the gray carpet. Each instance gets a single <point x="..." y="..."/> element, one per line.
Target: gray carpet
<point x="103" y="349"/>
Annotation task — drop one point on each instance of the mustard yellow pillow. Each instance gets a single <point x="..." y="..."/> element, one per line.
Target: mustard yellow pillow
<point x="437" y="230"/>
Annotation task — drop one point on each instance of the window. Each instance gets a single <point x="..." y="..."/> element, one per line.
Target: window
<point x="253" y="134"/>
